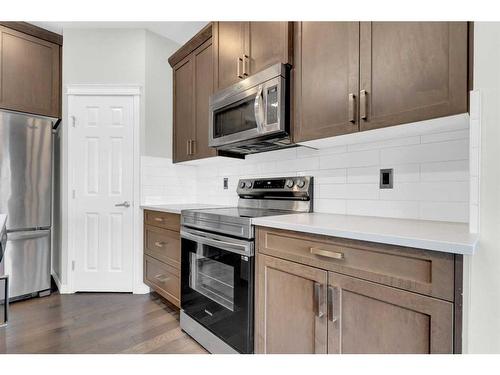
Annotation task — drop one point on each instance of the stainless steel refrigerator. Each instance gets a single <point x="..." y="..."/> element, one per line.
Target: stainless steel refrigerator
<point x="26" y="197"/>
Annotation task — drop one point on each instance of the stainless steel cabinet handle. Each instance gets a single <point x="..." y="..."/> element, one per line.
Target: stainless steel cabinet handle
<point x="162" y="278"/>
<point x="331" y="297"/>
<point x="246" y="61"/>
<point x="193" y="147"/>
<point x="160" y="243"/>
<point x="326" y="253"/>
<point x="159" y="219"/>
<point x="189" y="146"/>
<point x="352" y="108"/>
<point x="362" y="104"/>
<point x="239" y="67"/>
<point x="124" y="204"/>
<point x="318" y="300"/>
<point x="6" y="302"/>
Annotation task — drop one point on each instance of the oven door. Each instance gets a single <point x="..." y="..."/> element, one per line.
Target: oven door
<point x="252" y="113"/>
<point x="217" y="279"/>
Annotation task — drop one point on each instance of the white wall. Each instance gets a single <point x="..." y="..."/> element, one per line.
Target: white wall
<point x="482" y="276"/>
<point x="158" y="91"/>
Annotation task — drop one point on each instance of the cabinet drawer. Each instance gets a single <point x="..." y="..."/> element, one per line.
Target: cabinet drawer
<point x="163" y="220"/>
<point x="163" y="244"/>
<point x="163" y="278"/>
<point x="426" y="272"/>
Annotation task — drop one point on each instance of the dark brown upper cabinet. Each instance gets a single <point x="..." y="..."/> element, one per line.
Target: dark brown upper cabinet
<point x="326" y="77"/>
<point x="183" y="127"/>
<point x="351" y="76"/>
<point x="30" y="75"/>
<point x="412" y="71"/>
<point x="193" y="85"/>
<point x="245" y="48"/>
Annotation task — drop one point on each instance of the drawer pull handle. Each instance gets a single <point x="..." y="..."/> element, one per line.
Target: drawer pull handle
<point x="162" y="278"/>
<point x="160" y="243"/>
<point x="159" y="219"/>
<point x="326" y="253"/>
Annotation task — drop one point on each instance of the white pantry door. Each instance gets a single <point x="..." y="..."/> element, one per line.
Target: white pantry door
<point x="102" y="139"/>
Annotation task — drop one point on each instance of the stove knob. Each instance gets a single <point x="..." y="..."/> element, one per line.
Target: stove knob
<point x="301" y="183"/>
<point x="242" y="184"/>
<point x="249" y="184"/>
<point x="289" y="184"/>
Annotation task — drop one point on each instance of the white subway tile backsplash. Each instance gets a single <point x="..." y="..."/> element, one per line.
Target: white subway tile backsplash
<point x="400" y="209"/>
<point x="384" y="144"/>
<point x="445" y="171"/>
<point x="446" y="136"/>
<point x="428" y="152"/>
<point x="445" y="211"/>
<point x="349" y="191"/>
<point x="431" y="176"/>
<point x="351" y="159"/>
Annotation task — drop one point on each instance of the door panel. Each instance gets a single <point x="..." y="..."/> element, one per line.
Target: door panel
<point x="326" y="74"/>
<point x="229" y="44"/>
<point x="183" y="109"/>
<point x="203" y="61"/>
<point x="30" y="74"/>
<point x="27" y="262"/>
<point x="25" y="170"/>
<point x="286" y="320"/>
<point x="370" y="318"/>
<point x="412" y="71"/>
<point x="268" y="44"/>
<point x="103" y="139"/>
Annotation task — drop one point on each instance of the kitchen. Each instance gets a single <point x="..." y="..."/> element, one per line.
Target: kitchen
<point x="249" y="187"/>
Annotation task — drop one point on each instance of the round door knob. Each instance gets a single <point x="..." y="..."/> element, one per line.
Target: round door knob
<point x="242" y="184"/>
<point x="289" y="183"/>
<point x="301" y="183"/>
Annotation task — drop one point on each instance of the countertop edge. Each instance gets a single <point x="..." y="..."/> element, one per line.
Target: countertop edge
<point x="420" y="243"/>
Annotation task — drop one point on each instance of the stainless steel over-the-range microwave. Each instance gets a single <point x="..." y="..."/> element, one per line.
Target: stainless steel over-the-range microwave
<point x="253" y="114"/>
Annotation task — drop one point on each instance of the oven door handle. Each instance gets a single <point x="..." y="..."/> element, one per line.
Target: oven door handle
<point x="205" y="239"/>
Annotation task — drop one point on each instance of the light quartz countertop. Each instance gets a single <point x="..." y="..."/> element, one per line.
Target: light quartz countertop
<point x="423" y="234"/>
<point x="177" y="208"/>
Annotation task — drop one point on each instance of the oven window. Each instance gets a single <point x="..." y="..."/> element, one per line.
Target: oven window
<point x="234" y="119"/>
<point x="213" y="279"/>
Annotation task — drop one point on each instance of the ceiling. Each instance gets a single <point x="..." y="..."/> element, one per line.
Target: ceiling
<point x="179" y="32"/>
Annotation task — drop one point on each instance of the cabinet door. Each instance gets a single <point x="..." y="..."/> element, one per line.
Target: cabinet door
<point x="203" y="77"/>
<point x="411" y="71"/>
<point x="30" y="74"/>
<point x="326" y="79"/>
<point x="268" y="43"/>
<point x="183" y="109"/>
<point x="364" y="317"/>
<point x="229" y="48"/>
<point x="290" y="307"/>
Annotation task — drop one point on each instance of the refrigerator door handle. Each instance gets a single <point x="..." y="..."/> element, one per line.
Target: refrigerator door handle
<point x="25" y="235"/>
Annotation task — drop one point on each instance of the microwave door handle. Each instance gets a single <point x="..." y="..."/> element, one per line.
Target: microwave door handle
<point x="258" y="110"/>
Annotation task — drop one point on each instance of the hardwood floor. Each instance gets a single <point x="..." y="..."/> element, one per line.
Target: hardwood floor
<point x="95" y="323"/>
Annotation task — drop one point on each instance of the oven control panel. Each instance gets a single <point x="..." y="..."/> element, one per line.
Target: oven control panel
<point x="276" y="185"/>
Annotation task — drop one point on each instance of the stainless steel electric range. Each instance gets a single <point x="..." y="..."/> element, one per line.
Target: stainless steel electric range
<point x="217" y="266"/>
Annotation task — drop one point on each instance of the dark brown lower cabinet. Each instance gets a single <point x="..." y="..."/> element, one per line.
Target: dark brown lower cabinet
<point x="287" y="319"/>
<point x="365" y="317"/>
<point x="301" y="306"/>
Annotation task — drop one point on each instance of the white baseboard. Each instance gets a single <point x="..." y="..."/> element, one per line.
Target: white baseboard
<point x="63" y="288"/>
<point x="141" y="289"/>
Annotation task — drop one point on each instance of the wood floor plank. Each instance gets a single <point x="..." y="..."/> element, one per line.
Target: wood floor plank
<point x="95" y="323"/>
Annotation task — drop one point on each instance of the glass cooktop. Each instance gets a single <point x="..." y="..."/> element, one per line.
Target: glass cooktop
<point x="243" y="212"/>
